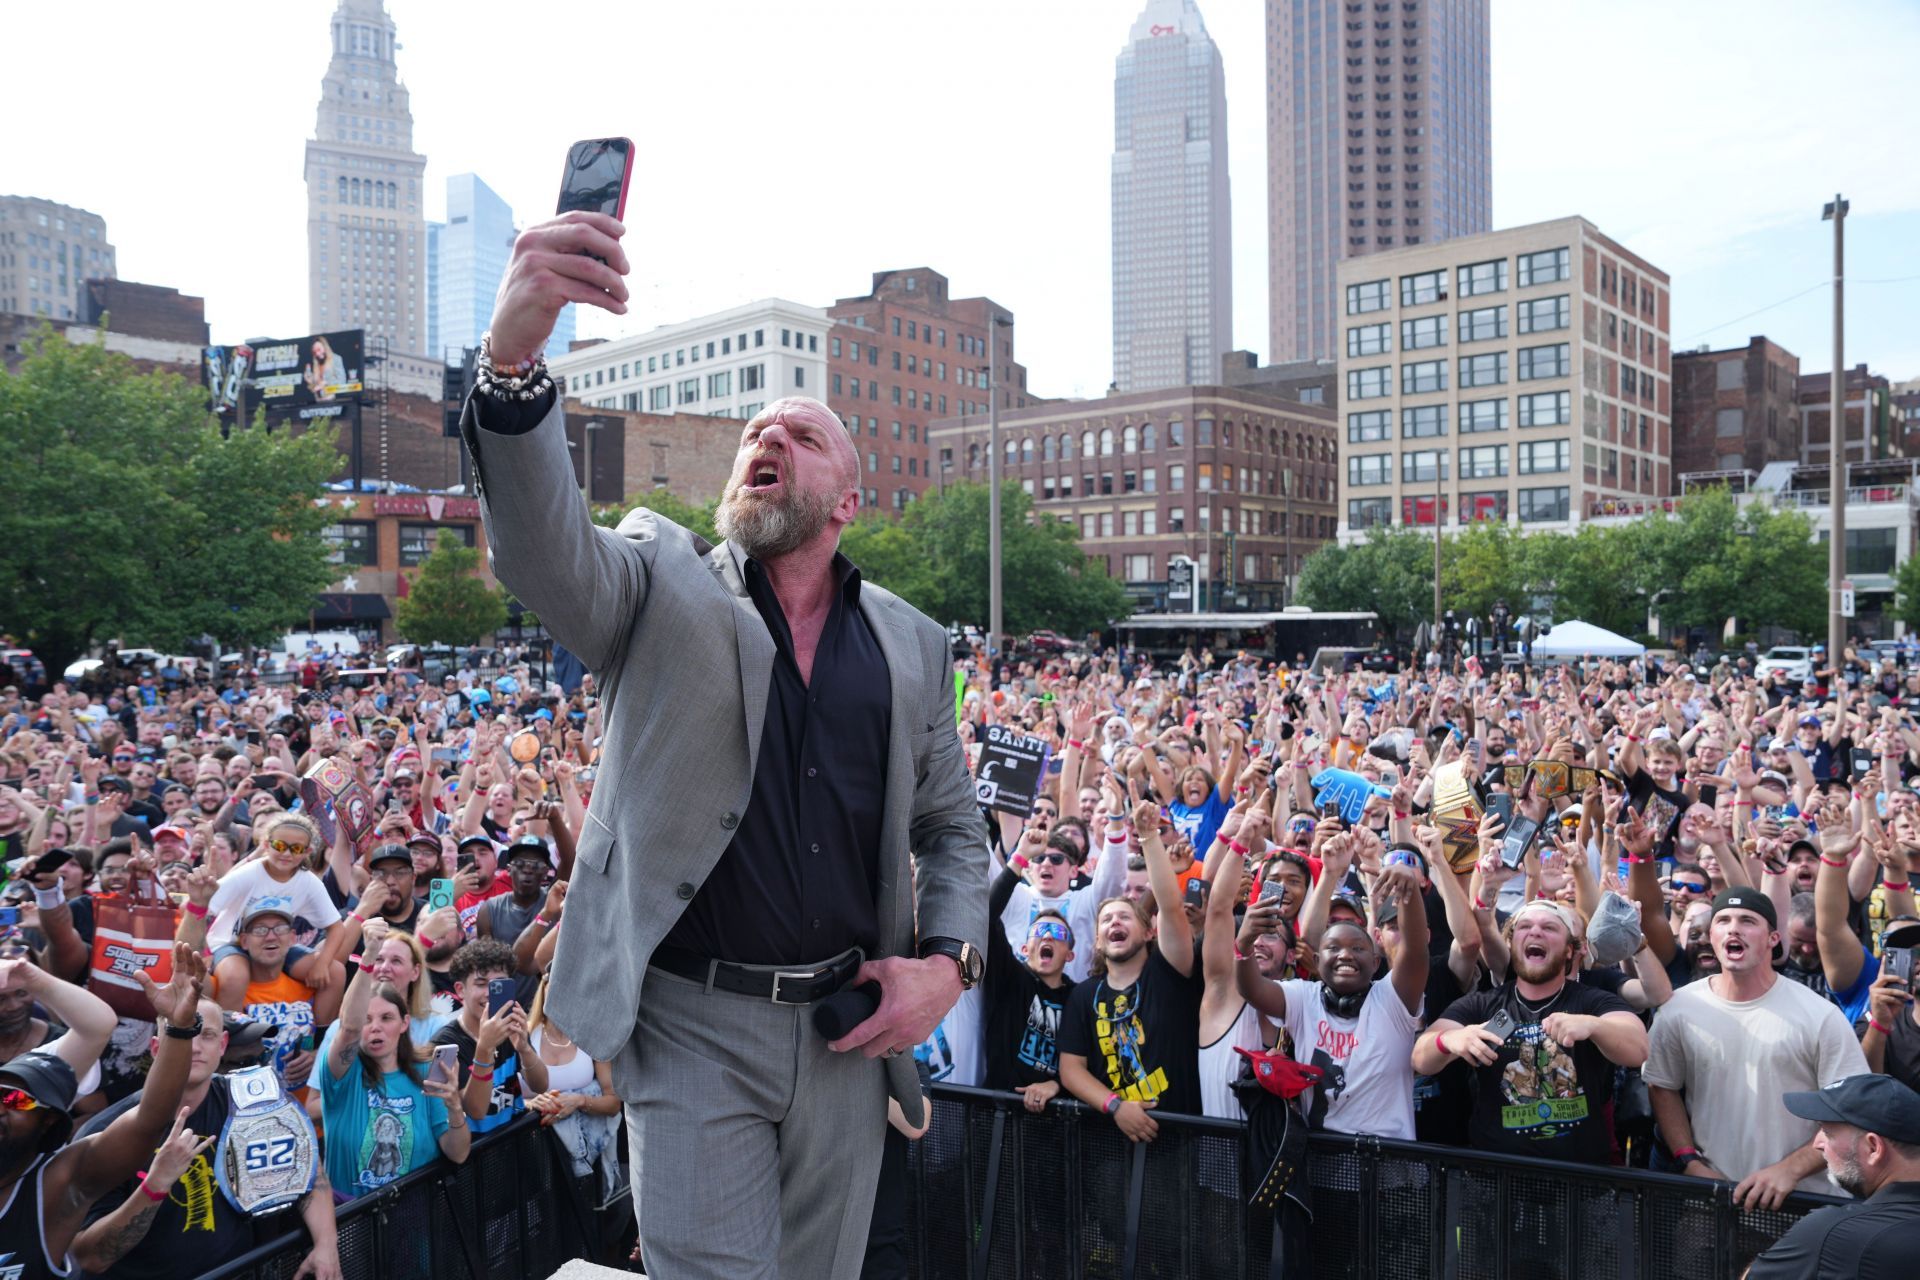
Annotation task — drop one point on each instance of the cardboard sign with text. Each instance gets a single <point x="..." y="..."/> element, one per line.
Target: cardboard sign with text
<point x="1012" y="765"/>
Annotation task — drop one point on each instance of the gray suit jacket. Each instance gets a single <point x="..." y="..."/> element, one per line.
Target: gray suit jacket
<point x="683" y="662"/>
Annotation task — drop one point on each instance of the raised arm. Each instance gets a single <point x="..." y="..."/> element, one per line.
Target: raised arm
<point x="1841" y="954"/>
<point x="1175" y="933"/>
<point x="88" y="1018"/>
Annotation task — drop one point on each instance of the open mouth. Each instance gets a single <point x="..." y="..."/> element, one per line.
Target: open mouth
<point x="1534" y="951"/>
<point x="763" y="476"/>
<point x="1734" y="948"/>
<point x="1046" y="953"/>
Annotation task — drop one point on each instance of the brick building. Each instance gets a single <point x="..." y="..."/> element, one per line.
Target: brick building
<point x="1734" y="410"/>
<point x="1240" y="479"/>
<point x="1870" y="430"/>
<point x="903" y="355"/>
<point x="1308" y="381"/>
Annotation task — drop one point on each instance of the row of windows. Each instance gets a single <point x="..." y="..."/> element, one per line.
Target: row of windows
<point x="1146" y="439"/>
<point x="1541" y="315"/>
<point x="354" y="542"/>
<point x="1426" y="376"/>
<point x="1147" y="480"/>
<point x="1477" y="462"/>
<point x="692" y="354"/>
<point x="1532" y="506"/>
<point x="1472" y="280"/>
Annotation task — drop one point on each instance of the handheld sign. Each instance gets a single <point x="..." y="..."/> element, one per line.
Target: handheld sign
<point x="1011" y="767"/>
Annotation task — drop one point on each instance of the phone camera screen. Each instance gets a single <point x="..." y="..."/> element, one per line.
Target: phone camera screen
<point x="596" y="172"/>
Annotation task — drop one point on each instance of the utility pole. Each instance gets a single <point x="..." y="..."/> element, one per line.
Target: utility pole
<point x="994" y="638"/>
<point x="1439" y="527"/>
<point x="1836" y="213"/>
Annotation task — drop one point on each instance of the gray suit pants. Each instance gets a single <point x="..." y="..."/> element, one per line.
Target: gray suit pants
<point x="755" y="1147"/>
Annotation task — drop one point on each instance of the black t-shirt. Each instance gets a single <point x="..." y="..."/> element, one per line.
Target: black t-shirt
<point x="1441" y="1103"/>
<point x="1662" y="809"/>
<point x="1143" y="1041"/>
<point x="1538" y="1098"/>
<point x="1608" y="979"/>
<point x="1023" y="1013"/>
<point x="1903" y="1051"/>
<point x="196" y="1229"/>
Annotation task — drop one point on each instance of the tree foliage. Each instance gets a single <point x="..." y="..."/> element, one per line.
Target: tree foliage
<point x="1906" y="586"/>
<point x="1709" y="561"/>
<point x="697" y="520"/>
<point x="129" y="515"/>
<point x="447" y="602"/>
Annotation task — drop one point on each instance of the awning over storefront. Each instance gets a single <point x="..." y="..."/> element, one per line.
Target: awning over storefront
<point x="351" y="606"/>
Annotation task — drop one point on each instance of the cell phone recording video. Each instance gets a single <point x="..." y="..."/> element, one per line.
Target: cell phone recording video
<point x="446" y="1064"/>
<point x="596" y="178"/>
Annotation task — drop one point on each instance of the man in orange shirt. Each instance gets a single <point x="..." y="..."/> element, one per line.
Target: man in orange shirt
<point x="277" y="998"/>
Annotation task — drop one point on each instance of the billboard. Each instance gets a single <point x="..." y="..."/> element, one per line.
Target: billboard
<point x="279" y="376"/>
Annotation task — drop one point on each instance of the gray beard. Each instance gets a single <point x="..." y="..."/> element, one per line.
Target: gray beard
<point x="766" y="529"/>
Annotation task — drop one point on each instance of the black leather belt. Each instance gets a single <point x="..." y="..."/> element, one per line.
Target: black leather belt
<point x="799" y="985"/>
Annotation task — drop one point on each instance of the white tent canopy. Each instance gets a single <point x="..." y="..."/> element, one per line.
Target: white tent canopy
<point x="1583" y="639"/>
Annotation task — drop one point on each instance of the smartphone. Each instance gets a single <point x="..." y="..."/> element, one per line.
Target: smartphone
<point x="1513" y="850"/>
<point x="1500" y="1024"/>
<point x="1500" y="804"/>
<point x="307" y="1042"/>
<point x="444" y="755"/>
<point x="50" y="861"/>
<point x="439" y="894"/>
<point x="446" y="1064"/>
<point x="1899" y="962"/>
<point x="9" y="917"/>
<point x="1197" y="890"/>
<point x="596" y="177"/>
<point x="1862" y="762"/>
<point x="1709" y="795"/>
<point x="500" y="994"/>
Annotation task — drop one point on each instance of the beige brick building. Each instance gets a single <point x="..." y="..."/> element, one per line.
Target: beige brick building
<point x="1520" y="375"/>
<point x="48" y="252"/>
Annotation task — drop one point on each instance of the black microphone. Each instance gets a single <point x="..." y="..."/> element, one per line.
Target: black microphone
<point x="846" y="1009"/>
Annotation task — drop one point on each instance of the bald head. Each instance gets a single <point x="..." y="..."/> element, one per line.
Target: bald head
<point x="791" y="411"/>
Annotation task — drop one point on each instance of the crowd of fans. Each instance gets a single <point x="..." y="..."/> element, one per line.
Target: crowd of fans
<point x="1676" y="899"/>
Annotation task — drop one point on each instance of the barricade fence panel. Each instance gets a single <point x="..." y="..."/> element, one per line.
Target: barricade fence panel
<point x="1073" y="1197"/>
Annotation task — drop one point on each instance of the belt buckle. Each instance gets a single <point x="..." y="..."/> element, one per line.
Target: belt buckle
<point x="803" y="975"/>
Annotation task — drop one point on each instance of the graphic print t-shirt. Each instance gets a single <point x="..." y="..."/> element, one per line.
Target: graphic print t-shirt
<point x="1539" y="1098"/>
<point x="375" y="1135"/>
<point x="1366" y="1085"/>
<point x="1143" y="1041"/>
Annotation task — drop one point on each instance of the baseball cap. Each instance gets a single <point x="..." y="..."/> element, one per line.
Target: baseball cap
<point x="48" y="1079"/>
<point x="391" y="853"/>
<point x="1875" y="1103"/>
<point x="1352" y="903"/>
<point x="475" y="838"/>
<point x="266" y="909"/>
<point x="405" y="773"/>
<point x="529" y="847"/>
<point x="111" y="783"/>
<point x="1387" y="909"/>
<point x="171" y="831"/>
<point x="424" y="840"/>
<point x="1808" y="719"/>
<point x="1746" y="899"/>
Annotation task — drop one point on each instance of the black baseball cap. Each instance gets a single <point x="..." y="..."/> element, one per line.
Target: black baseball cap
<point x="48" y="1079"/>
<point x="1874" y="1103"/>
<point x="529" y="847"/>
<point x="391" y="853"/>
<point x="1747" y="899"/>
<point x="476" y="838"/>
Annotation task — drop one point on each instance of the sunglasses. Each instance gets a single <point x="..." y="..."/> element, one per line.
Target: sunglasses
<point x="1051" y="931"/>
<point x="1057" y="859"/>
<point x="1688" y="886"/>
<point x="19" y="1100"/>
<point x="287" y="846"/>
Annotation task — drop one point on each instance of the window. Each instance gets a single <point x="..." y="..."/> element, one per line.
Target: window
<point x="1546" y="409"/>
<point x="1138" y="568"/>
<point x="1540" y="457"/>
<point x="1369" y="468"/>
<point x="1176" y="479"/>
<point x="1545" y="267"/>
<point x="1428" y="286"/>
<point x="1729" y="422"/>
<point x="1425" y="420"/>
<point x="1544" y="362"/>
<point x="1871" y="550"/>
<point x="660" y="399"/>
<point x="1543" y="504"/>
<point x="720" y="384"/>
<point x="1366" y="428"/>
<point x="1483" y="415"/>
<point x="1150" y="480"/>
<point x="1106" y="524"/>
<point x="1149" y="438"/>
<point x="1483" y="324"/>
<point x="754" y="376"/>
<point x="1176" y="519"/>
<point x="1543" y="315"/>
<point x="1418" y="465"/>
<point x="1489" y="370"/>
<point x="1477" y="278"/>
<point x="1130" y="524"/>
<point x="1066" y="446"/>
<point x="353" y="542"/>
<point x="1369" y="340"/>
<point x="1427" y="331"/>
<point x="1106" y="442"/>
<point x="1483" y="462"/>
<point x="1423" y="376"/>
<point x="1203" y="477"/>
<point x="689" y="391"/>
<point x="1176" y="433"/>
<point x="416" y="540"/>
<point x="1369" y="384"/>
<point x="1203" y="428"/>
<point x="1366" y="513"/>
<point x="1488" y="504"/>
<point x="1149" y="523"/>
<point x="1371" y="296"/>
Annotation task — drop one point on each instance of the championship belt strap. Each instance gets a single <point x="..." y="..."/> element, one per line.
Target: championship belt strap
<point x="268" y="1155"/>
<point x="1457" y="811"/>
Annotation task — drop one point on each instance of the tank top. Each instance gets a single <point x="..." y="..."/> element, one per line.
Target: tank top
<point x="1220" y="1065"/>
<point x="23" y="1231"/>
<point x="572" y="1076"/>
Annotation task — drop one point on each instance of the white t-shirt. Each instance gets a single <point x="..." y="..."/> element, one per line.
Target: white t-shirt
<point x="1077" y="905"/>
<point x="1368" y="1061"/>
<point x="249" y="888"/>
<point x="1734" y="1059"/>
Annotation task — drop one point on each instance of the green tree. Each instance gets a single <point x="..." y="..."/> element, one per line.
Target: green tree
<point x="1046" y="580"/>
<point x="1390" y="574"/>
<point x="697" y="520"/>
<point x="890" y="556"/>
<point x="1713" y="560"/>
<point x="129" y="514"/>
<point x="1906" y="586"/>
<point x="447" y="602"/>
<point x="1597" y="575"/>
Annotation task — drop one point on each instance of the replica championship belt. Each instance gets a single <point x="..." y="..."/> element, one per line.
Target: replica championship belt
<point x="1457" y="811"/>
<point x="268" y="1154"/>
<point x="330" y="794"/>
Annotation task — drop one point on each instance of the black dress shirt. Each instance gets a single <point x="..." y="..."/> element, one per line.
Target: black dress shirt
<point x="1871" y="1239"/>
<point x="797" y="883"/>
<point x="796" y="886"/>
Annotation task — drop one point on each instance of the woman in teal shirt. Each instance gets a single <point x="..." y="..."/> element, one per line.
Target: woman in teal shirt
<point x="383" y="1120"/>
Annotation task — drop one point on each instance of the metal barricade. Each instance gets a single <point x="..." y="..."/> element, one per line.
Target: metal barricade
<point x="512" y="1210"/>
<point x="1001" y="1194"/>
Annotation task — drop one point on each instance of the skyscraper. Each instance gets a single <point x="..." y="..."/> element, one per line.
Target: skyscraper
<point x="366" y="235"/>
<point x="1379" y="135"/>
<point x="48" y="252"/>
<point x="1172" y="230"/>
<point x="466" y="258"/>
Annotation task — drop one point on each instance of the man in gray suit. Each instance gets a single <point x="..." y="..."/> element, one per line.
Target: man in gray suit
<point x="783" y="810"/>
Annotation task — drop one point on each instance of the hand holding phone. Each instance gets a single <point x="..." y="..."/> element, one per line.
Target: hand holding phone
<point x="439" y="894"/>
<point x="500" y="994"/>
<point x="574" y="258"/>
<point x="446" y="1064"/>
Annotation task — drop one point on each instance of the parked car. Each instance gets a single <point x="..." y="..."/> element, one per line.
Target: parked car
<point x="1048" y="642"/>
<point x="1792" y="661"/>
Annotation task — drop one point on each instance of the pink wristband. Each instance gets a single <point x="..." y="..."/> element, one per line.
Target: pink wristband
<point x="196" y="910"/>
<point x="1875" y="1024"/>
<point x="1020" y="861"/>
<point x="1440" y="1041"/>
<point x="1900" y="887"/>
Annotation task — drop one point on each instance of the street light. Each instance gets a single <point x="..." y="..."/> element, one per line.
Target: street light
<point x="1836" y="213"/>
<point x="995" y="322"/>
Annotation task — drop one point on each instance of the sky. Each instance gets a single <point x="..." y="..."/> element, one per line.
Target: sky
<point x="790" y="148"/>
